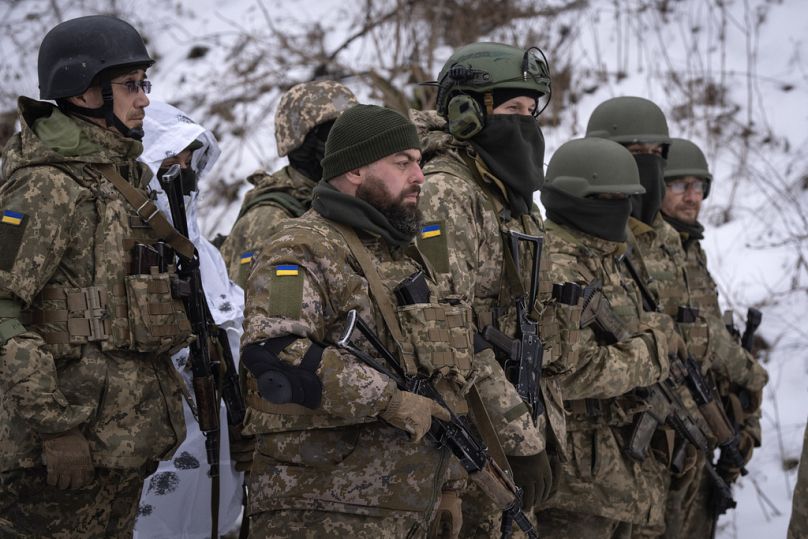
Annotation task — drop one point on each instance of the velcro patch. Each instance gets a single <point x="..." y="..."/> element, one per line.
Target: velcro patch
<point x="286" y="291"/>
<point x="12" y="228"/>
<point x="433" y="245"/>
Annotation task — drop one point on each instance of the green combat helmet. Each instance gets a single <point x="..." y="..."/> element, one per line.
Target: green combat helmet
<point x="479" y="69"/>
<point x="304" y="107"/>
<point x="629" y="120"/>
<point x="687" y="159"/>
<point x="583" y="167"/>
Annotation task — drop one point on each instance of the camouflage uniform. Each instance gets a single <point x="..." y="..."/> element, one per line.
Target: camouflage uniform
<point x="463" y="199"/>
<point x="93" y="354"/>
<point x="337" y="469"/>
<point x="276" y="197"/>
<point x="798" y="527"/>
<point x="601" y="492"/>
<point x="286" y="193"/>
<point x="689" y="511"/>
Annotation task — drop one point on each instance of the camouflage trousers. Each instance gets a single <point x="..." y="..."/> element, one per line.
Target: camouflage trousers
<point x="30" y="508"/>
<point x="688" y="510"/>
<point x="562" y="524"/>
<point x="307" y="524"/>
<point x="482" y="518"/>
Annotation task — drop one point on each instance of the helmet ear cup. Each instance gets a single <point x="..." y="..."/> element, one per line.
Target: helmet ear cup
<point x="465" y="117"/>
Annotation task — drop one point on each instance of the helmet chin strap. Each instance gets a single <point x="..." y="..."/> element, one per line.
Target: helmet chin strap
<point x="105" y="111"/>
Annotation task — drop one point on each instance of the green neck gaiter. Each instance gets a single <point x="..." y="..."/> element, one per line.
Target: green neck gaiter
<point x="605" y="219"/>
<point x="349" y="210"/>
<point x="652" y="171"/>
<point x="512" y="147"/>
<point x="689" y="232"/>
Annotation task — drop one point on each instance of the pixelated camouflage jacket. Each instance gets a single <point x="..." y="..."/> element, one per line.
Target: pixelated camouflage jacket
<point x="732" y="366"/>
<point x="276" y="197"/>
<point x="599" y="479"/>
<point x="469" y="251"/>
<point x="128" y="404"/>
<point x="340" y="456"/>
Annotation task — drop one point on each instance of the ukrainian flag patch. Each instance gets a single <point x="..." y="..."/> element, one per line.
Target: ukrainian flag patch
<point x="246" y="257"/>
<point x="430" y="231"/>
<point x="12" y="217"/>
<point x="287" y="270"/>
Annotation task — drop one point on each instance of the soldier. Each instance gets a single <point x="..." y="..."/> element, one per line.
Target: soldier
<point x="654" y="251"/>
<point x="602" y="492"/>
<point x="739" y="376"/>
<point x="339" y="449"/>
<point x="484" y="155"/>
<point x="303" y="119"/>
<point x="179" y="492"/>
<point x="90" y="400"/>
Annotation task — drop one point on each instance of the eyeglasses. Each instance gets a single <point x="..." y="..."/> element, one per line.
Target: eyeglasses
<point x="134" y="85"/>
<point x="679" y="187"/>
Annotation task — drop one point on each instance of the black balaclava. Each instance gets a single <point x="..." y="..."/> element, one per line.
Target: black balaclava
<point x="306" y="157"/>
<point x="602" y="218"/>
<point x="512" y="147"/>
<point x="652" y="172"/>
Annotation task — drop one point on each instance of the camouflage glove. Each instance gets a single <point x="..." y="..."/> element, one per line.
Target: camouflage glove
<point x="67" y="458"/>
<point x="534" y="475"/>
<point x="413" y="413"/>
<point x="241" y="449"/>
<point x="727" y="466"/>
<point x="676" y="346"/>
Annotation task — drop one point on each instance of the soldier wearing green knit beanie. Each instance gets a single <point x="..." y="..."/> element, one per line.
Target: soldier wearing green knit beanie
<point x="348" y="442"/>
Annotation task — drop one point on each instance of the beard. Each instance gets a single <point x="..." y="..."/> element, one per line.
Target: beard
<point x="404" y="217"/>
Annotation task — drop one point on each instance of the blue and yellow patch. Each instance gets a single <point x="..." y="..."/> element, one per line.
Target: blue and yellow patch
<point x="430" y="231"/>
<point x="12" y="217"/>
<point x="246" y="257"/>
<point x="287" y="270"/>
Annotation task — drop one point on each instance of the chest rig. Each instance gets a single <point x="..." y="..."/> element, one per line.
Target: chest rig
<point x="129" y="304"/>
<point x="431" y="338"/>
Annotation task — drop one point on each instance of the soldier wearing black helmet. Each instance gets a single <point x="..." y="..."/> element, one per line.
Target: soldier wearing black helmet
<point x="90" y="401"/>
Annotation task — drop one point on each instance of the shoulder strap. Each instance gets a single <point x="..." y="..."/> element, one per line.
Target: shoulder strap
<point x="284" y="200"/>
<point x="148" y="211"/>
<point x="381" y="295"/>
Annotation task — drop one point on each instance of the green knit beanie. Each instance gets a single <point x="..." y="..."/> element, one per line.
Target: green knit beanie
<point x="364" y="134"/>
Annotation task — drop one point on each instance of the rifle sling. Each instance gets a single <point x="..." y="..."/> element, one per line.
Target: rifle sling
<point x="486" y="429"/>
<point x="148" y="211"/>
<point x="381" y="294"/>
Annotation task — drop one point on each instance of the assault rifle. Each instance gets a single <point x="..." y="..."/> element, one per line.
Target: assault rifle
<point x="753" y="319"/>
<point x="456" y="434"/>
<point x="667" y="407"/>
<point x="523" y="355"/>
<point x="208" y="372"/>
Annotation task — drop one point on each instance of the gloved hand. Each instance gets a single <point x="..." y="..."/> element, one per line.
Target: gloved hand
<point x="413" y="413"/>
<point x="727" y="466"/>
<point x="241" y="449"/>
<point x="67" y="458"/>
<point x="676" y="345"/>
<point x="534" y="475"/>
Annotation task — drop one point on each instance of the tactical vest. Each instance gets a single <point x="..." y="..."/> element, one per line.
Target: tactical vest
<point x="431" y="339"/>
<point x="119" y="311"/>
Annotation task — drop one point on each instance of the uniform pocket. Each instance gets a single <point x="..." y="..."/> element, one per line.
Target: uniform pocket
<point x="317" y="448"/>
<point x="157" y="321"/>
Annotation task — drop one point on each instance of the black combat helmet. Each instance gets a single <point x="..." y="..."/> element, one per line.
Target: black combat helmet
<point x="77" y="52"/>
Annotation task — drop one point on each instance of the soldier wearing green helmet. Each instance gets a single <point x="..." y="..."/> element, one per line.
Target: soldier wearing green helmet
<point x="303" y="120"/>
<point x="483" y="152"/>
<point x="601" y="492"/>
<point x="738" y="375"/>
